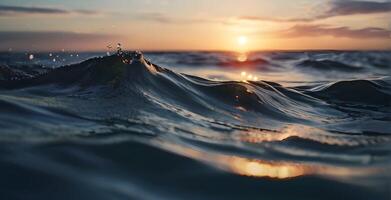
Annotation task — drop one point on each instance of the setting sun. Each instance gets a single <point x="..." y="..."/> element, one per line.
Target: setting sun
<point x="242" y="40"/>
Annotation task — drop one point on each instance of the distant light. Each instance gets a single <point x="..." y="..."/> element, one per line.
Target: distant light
<point x="243" y="73"/>
<point x="54" y="60"/>
<point x="250" y="76"/>
<point x="50" y="54"/>
<point x="31" y="56"/>
<point x="108" y="53"/>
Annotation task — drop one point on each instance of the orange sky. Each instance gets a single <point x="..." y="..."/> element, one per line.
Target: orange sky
<point x="195" y="24"/>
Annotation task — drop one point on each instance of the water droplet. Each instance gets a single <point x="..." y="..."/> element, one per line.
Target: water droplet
<point x="137" y="55"/>
<point x="119" y="49"/>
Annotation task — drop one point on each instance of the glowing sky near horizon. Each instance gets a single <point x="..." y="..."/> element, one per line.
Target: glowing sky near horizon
<point x="195" y="24"/>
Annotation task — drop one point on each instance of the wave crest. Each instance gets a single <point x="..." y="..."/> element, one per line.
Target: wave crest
<point x="355" y="91"/>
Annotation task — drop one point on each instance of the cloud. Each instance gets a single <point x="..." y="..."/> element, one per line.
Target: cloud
<point x="155" y="17"/>
<point x="42" y="40"/>
<point x="326" y="10"/>
<point x="18" y="10"/>
<point x="334" y="8"/>
<point x="349" y="7"/>
<point x="338" y="32"/>
<point x="166" y="19"/>
<point x="272" y="19"/>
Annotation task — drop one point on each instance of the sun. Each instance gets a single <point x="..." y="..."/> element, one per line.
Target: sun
<point x="242" y="40"/>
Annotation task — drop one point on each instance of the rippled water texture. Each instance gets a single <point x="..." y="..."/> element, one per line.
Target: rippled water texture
<point x="195" y="125"/>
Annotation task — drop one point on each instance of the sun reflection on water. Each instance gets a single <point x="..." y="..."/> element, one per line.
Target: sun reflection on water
<point x="243" y="166"/>
<point x="242" y="57"/>
<point x="245" y="76"/>
<point x="259" y="168"/>
<point x="264" y="168"/>
<point x="305" y="132"/>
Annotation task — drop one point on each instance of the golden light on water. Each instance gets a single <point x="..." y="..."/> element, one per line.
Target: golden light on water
<point x="245" y="76"/>
<point x="242" y="58"/>
<point x="263" y="168"/>
<point x="259" y="168"/>
<point x="243" y="166"/>
<point x="300" y="131"/>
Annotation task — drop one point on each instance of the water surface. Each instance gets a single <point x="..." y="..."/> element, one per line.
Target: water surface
<point x="195" y="125"/>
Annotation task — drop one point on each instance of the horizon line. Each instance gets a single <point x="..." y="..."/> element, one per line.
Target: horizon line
<point x="191" y="50"/>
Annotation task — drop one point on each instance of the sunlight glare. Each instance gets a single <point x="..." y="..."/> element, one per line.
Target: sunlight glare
<point x="242" y="40"/>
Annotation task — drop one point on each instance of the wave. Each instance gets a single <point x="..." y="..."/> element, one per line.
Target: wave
<point x="129" y="95"/>
<point x="328" y="65"/>
<point x="367" y="92"/>
<point x="140" y="76"/>
<point x="219" y="60"/>
<point x="91" y="72"/>
<point x="258" y="62"/>
<point x="8" y="72"/>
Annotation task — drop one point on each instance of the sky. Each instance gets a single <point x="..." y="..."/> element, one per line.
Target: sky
<point x="228" y="25"/>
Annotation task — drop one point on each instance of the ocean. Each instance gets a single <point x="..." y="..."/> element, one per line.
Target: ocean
<point x="195" y="125"/>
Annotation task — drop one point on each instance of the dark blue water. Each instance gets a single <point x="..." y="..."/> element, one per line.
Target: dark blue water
<point x="195" y="125"/>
